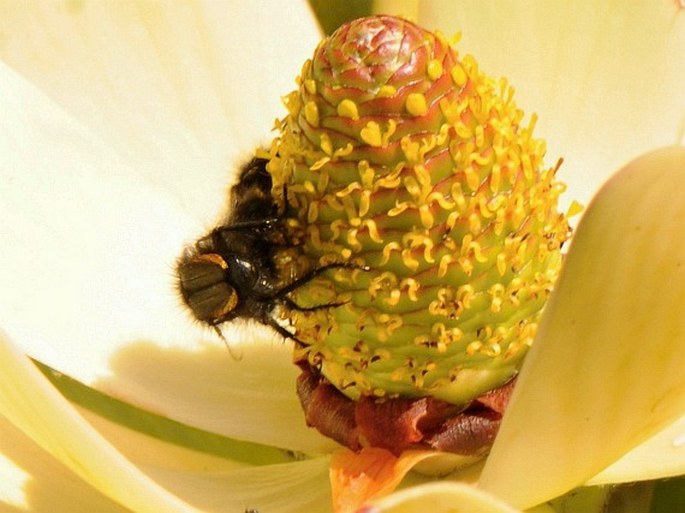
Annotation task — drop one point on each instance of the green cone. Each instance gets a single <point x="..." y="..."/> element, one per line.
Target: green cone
<point x="401" y="155"/>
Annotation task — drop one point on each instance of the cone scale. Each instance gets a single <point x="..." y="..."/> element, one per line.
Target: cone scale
<point x="398" y="155"/>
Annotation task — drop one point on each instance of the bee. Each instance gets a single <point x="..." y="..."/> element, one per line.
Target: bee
<point x="232" y="272"/>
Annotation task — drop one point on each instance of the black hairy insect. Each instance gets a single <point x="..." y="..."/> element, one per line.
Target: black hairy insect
<point x="232" y="271"/>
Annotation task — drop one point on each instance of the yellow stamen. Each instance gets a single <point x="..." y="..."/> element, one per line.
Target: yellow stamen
<point x="348" y="109"/>
<point x="458" y="75"/>
<point x="416" y="104"/>
<point x="311" y="113"/>
<point x="386" y="91"/>
<point x="434" y="69"/>
<point x="310" y="86"/>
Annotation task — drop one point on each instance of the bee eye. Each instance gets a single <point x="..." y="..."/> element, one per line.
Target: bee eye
<point x="202" y="283"/>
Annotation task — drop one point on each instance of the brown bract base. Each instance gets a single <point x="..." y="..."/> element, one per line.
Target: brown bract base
<point x="397" y="424"/>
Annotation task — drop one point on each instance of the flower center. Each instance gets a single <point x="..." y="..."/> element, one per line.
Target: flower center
<point x="400" y="155"/>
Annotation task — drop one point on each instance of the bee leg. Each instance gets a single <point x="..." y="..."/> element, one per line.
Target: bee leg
<point x="294" y="306"/>
<point x="284" y="332"/>
<point x="280" y="294"/>
<point x="280" y="329"/>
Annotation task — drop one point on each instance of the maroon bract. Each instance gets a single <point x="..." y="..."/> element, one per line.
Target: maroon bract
<point x="398" y="424"/>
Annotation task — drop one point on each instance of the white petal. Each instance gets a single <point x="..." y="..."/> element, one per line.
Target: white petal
<point x="82" y="462"/>
<point x="605" y="78"/>
<point x="605" y="373"/>
<point x="287" y="488"/>
<point x="88" y="256"/>
<point x="89" y="234"/>
<point x="179" y="89"/>
<point x="151" y="438"/>
<point x="252" y="398"/>
<point x="215" y="484"/>
<point x="89" y="237"/>
<point x="87" y="244"/>
<point x="36" y="409"/>
<point x="32" y="480"/>
<point x="661" y="456"/>
<point x="443" y="497"/>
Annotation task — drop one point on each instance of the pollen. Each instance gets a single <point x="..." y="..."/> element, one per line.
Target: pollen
<point x="412" y="287"/>
<point x="373" y="231"/>
<point x="371" y="134"/>
<point x="311" y="113"/>
<point x="348" y="109"/>
<point x="388" y="249"/>
<point x="386" y="91"/>
<point x="409" y="261"/>
<point x="574" y="209"/>
<point x="416" y="104"/>
<point x="326" y="144"/>
<point x="434" y="69"/>
<point x="458" y="75"/>
<point x="310" y="86"/>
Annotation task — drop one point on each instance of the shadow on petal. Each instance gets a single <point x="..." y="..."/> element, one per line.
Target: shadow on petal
<point x="251" y="398"/>
<point x="287" y="488"/>
<point x="40" y="482"/>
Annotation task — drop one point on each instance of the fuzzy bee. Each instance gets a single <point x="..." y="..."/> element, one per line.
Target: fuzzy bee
<point x="232" y="272"/>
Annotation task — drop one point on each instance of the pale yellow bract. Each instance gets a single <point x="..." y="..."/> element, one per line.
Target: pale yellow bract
<point x="119" y="122"/>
